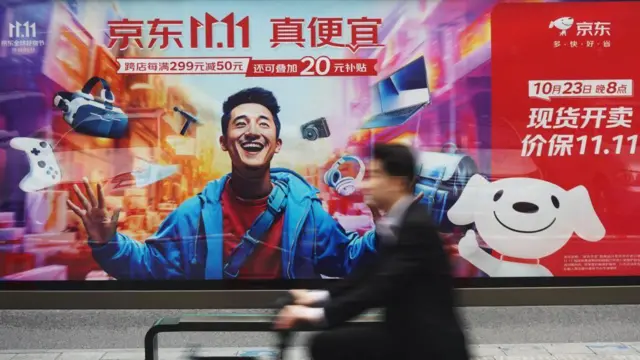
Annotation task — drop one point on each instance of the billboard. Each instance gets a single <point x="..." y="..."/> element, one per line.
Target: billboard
<point x="226" y="141"/>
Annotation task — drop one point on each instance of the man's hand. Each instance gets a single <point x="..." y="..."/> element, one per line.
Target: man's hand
<point x="291" y="316"/>
<point x="302" y="297"/>
<point x="98" y="222"/>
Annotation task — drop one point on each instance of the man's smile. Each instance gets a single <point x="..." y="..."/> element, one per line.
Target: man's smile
<point x="252" y="146"/>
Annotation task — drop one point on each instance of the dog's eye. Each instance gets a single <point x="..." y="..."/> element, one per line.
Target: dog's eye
<point x="498" y="195"/>
<point x="555" y="201"/>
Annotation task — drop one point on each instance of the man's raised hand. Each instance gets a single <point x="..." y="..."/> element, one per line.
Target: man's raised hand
<point x="100" y="224"/>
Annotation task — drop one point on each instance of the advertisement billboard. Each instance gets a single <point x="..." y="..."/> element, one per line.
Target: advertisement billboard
<point x="225" y="141"/>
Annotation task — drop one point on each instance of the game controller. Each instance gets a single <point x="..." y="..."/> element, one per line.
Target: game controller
<point x="44" y="169"/>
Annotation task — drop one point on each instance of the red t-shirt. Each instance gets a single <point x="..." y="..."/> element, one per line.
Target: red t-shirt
<point x="238" y="216"/>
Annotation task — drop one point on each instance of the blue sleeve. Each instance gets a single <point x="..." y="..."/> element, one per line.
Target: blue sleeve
<point x="158" y="258"/>
<point x="337" y="252"/>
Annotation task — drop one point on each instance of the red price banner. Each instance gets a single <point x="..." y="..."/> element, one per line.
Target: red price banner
<point x="312" y="66"/>
<point x="564" y="77"/>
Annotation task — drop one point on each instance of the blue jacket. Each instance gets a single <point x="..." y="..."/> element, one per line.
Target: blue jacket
<point x="317" y="244"/>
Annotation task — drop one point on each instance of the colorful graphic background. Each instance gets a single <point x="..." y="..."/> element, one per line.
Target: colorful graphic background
<point x="43" y="240"/>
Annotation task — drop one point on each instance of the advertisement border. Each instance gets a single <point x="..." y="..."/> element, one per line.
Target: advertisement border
<point x="276" y="285"/>
<point x="41" y="242"/>
<point x="261" y="299"/>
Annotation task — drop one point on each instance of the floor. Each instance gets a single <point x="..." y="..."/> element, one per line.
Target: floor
<point x="525" y="333"/>
<point x="559" y="351"/>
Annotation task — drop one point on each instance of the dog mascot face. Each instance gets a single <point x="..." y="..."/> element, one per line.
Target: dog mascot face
<point x="526" y="218"/>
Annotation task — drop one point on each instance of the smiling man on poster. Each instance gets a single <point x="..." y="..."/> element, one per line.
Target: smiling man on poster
<point x="257" y="222"/>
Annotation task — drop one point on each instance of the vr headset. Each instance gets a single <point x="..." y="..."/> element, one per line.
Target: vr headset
<point x="88" y="116"/>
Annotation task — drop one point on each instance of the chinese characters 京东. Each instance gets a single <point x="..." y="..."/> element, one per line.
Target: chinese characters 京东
<point x="598" y="28"/>
<point x="578" y="118"/>
<point x="363" y="32"/>
<point x="129" y="32"/>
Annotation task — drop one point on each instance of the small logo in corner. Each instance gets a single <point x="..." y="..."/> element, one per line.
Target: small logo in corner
<point x="563" y="24"/>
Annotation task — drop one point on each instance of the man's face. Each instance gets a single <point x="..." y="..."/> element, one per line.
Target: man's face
<point x="379" y="188"/>
<point x="251" y="137"/>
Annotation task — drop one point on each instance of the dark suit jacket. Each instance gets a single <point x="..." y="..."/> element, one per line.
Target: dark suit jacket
<point x="411" y="281"/>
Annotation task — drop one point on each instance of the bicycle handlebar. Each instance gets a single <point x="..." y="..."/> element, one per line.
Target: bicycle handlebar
<point x="284" y="336"/>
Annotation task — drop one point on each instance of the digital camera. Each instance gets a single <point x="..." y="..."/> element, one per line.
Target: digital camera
<point x="315" y="129"/>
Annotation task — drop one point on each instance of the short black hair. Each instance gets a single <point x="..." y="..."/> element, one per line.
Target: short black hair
<point x="254" y="95"/>
<point x="396" y="160"/>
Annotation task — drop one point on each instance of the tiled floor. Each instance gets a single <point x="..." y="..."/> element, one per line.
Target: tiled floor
<point x="568" y="351"/>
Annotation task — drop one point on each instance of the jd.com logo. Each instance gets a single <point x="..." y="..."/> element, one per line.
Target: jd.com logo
<point x="563" y="24"/>
<point x="583" y="28"/>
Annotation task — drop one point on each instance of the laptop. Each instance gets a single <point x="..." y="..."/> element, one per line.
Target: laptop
<point x="399" y="96"/>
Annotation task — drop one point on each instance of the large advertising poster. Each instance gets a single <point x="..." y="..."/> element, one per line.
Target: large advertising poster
<point x="566" y="85"/>
<point x="226" y="140"/>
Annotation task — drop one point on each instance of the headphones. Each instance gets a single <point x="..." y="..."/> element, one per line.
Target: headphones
<point x="88" y="116"/>
<point x="344" y="186"/>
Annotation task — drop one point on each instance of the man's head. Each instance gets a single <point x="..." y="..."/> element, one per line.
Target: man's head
<point x="251" y="129"/>
<point x="391" y="175"/>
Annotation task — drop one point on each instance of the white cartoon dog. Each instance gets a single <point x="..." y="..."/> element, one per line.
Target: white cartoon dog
<point x="524" y="220"/>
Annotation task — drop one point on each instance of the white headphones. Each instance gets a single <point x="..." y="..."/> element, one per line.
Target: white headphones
<point x="344" y="186"/>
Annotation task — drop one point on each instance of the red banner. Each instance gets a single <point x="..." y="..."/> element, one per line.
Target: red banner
<point x="310" y="66"/>
<point x="563" y="84"/>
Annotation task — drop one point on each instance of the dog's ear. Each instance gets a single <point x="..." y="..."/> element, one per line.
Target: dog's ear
<point x="463" y="211"/>
<point x="585" y="220"/>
